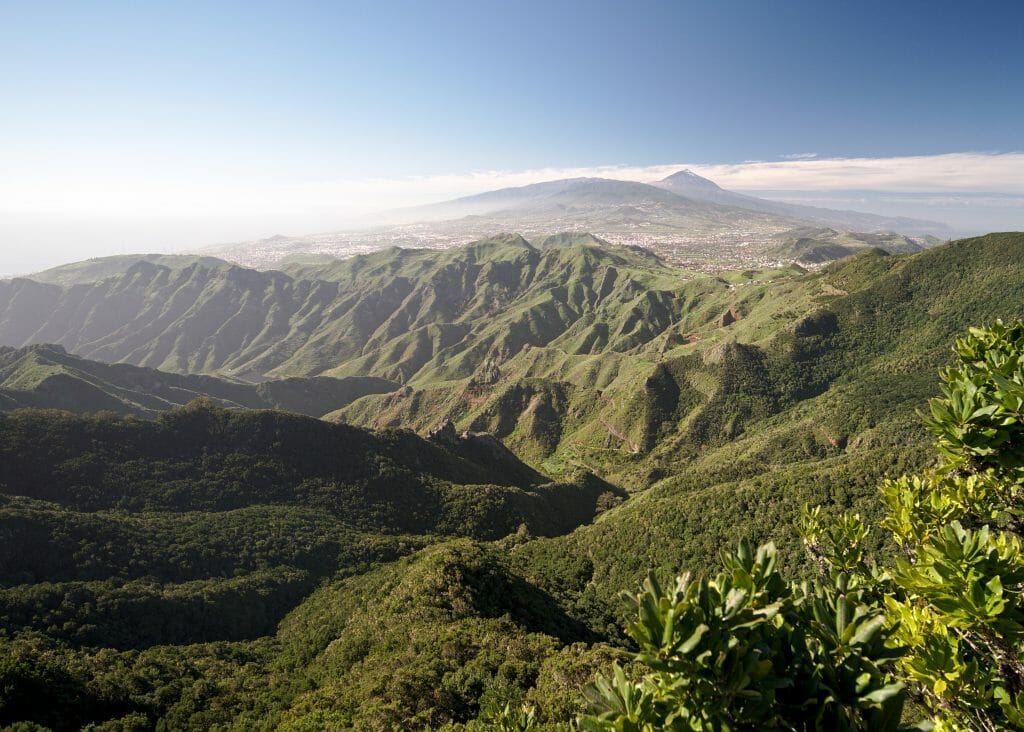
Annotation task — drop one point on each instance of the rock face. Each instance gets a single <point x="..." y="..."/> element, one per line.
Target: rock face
<point x="444" y="434"/>
<point x="729" y="317"/>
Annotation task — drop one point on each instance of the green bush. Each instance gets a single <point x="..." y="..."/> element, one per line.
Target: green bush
<point x="954" y="595"/>
<point x="941" y="624"/>
<point x="749" y="650"/>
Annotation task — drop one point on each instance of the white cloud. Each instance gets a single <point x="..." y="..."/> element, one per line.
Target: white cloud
<point x="800" y="156"/>
<point x="962" y="172"/>
<point x="46" y="221"/>
<point x="959" y="172"/>
<point x="324" y="202"/>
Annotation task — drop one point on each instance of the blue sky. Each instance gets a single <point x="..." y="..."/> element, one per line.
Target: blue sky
<point x="109" y="96"/>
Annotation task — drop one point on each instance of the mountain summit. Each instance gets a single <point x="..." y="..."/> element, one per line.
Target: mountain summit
<point x="688" y="184"/>
<point x="686" y="180"/>
<point x="685" y="218"/>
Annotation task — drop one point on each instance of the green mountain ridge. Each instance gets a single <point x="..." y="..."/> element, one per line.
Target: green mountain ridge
<point x="766" y="444"/>
<point x="308" y="575"/>
<point x="795" y="337"/>
<point x="404" y="315"/>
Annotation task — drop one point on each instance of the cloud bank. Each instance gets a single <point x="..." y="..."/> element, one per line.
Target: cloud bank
<point x="959" y="172"/>
<point x="954" y="172"/>
<point x="45" y="222"/>
<point x="951" y="173"/>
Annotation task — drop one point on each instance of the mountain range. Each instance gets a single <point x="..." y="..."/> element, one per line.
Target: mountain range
<point x="515" y="433"/>
<point x="574" y="352"/>
<point x="409" y="316"/>
<point x="684" y="218"/>
<point x="99" y="268"/>
<point x="401" y="314"/>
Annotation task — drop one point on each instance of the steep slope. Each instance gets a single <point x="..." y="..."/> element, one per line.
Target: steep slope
<point x="566" y="405"/>
<point x="802" y="391"/>
<point x="405" y="315"/>
<point x="817" y="415"/>
<point x="690" y="185"/>
<point x="47" y="376"/>
<point x="745" y="351"/>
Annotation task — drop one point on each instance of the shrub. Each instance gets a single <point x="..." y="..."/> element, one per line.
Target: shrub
<point x="942" y="623"/>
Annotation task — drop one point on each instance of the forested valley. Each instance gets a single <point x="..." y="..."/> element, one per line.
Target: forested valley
<point x="515" y="485"/>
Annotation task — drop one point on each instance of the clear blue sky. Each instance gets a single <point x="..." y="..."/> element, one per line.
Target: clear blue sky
<point x="115" y="110"/>
<point x="405" y="88"/>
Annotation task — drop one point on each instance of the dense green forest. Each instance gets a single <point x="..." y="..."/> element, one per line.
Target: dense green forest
<point x="215" y="567"/>
<point x="209" y="526"/>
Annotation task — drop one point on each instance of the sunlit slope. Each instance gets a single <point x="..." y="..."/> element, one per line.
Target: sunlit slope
<point x="817" y="415"/>
<point x="564" y="407"/>
<point x="406" y="315"/>
<point x="863" y="333"/>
